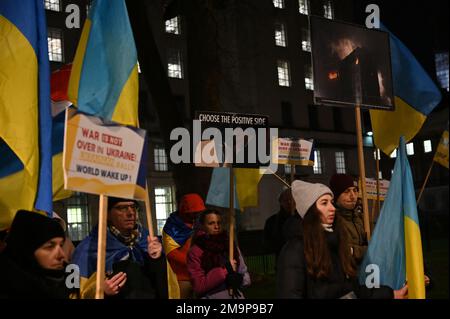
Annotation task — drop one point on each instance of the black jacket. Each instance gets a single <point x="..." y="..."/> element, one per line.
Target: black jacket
<point x="17" y="281"/>
<point x="293" y="280"/>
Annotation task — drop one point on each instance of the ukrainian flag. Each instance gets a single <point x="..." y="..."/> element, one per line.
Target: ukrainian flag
<point x="25" y="116"/>
<point x="441" y="155"/>
<point x="104" y="78"/>
<point x="416" y="96"/>
<point x="246" y="182"/>
<point x="396" y="246"/>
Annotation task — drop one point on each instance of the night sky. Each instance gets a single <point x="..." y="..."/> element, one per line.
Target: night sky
<point x="422" y="28"/>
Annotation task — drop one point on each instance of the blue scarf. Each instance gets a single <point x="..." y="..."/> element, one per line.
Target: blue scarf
<point x="85" y="255"/>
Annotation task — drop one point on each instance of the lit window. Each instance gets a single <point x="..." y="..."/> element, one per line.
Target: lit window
<point x="160" y="159"/>
<point x="280" y="35"/>
<point x="427" y="146"/>
<point x="306" y="40"/>
<point x="173" y="25"/>
<point x="287" y="169"/>
<point x="55" y="51"/>
<point x="410" y="148"/>
<point x="303" y="6"/>
<point x="278" y="4"/>
<point x="174" y="64"/>
<point x="53" y="5"/>
<point x="393" y="154"/>
<point x="317" y="168"/>
<point x="88" y="8"/>
<point x="164" y="205"/>
<point x="328" y="9"/>
<point x="375" y="154"/>
<point x="283" y="73"/>
<point x="77" y="217"/>
<point x="441" y="60"/>
<point x="340" y="163"/>
<point x="309" y="85"/>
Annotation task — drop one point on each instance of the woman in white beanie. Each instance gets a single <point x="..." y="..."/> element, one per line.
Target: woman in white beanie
<point x="316" y="263"/>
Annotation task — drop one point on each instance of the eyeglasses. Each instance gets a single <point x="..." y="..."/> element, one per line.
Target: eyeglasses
<point x="124" y="208"/>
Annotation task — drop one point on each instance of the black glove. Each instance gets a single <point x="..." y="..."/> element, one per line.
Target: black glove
<point x="233" y="281"/>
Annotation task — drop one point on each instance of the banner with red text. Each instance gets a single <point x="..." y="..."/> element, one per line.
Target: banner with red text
<point x="293" y="151"/>
<point x="103" y="157"/>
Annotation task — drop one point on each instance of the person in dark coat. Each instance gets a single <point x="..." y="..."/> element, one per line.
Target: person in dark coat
<point x="316" y="264"/>
<point x="135" y="266"/>
<point x="32" y="263"/>
<point x="274" y="237"/>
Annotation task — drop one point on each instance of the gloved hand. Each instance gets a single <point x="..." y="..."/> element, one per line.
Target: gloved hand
<point x="233" y="281"/>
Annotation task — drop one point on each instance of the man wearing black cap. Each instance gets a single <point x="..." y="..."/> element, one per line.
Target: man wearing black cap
<point x="135" y="267"/>
<point x="32" y="264"/>
<point x="346" y="199"/>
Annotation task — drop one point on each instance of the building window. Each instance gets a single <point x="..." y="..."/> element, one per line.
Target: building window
<point x="287" y="169"/>
<point x="88" y="7"/>
<point x="303" y="6"/>
<point x="78" y="217"/>
<point x="410" y="149"/>
<point x="173" y="25"/>
<point x="283" y="73"/>
<point x="280" y="35"/>
<point x="160" y="159"/>
<point x="306" y="40"/>
<point x="375" y="154"/>
<point x="53" y="5"/>
<point x="340" y="163"/>
<point x="139" y="67"/>
<point x="164" y="205"/>
<point x="393" y="154"/>
<point x="55" y="47"/>
<point x="278" y="4"/>
<point x="328" y="9"/>
<point x="317" y="168"/>
<point x="174" y="64"/>
<point x="286" y="114"/>
<point x="441" y="60"/>
<point x="309" y="85"/>
<point x="427" y="146"/>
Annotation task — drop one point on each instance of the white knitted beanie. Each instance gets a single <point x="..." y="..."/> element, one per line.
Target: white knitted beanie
<point x="306" y="194"/>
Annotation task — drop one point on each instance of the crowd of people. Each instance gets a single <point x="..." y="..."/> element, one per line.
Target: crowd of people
<point x="317" y="236"/>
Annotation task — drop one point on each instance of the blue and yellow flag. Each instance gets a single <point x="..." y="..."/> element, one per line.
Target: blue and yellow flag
<point x="396" y="245"/>
<point x="219" y="189"/>
<point x="441" y="155"/>
<point x="416" y="96"/>
<point x="26" y="125"/>
<point x="104" y="78"/>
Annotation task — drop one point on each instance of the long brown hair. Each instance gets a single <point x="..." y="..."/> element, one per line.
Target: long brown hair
<point x="317" y="252"/>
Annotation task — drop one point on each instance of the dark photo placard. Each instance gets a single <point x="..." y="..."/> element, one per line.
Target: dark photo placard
<point x="351" y="64"/>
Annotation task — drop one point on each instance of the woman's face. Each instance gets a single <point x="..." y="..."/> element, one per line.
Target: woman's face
<point x="212" y="224"/>
<point x="51" y="254"/>
<point x="326" y="208"/>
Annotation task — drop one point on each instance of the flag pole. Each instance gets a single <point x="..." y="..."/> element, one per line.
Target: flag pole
<point x="377" y="202"/>
<point x="362" y="173"/>
<point x="425" y="183"/>
<point x="292" y="172"/>
<point x="231" y="218"/>
<point x="148" y="211"/>
<point x="231" y="225"/>
<point x="279" y="178"/>
<point x="101" y="246"/>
